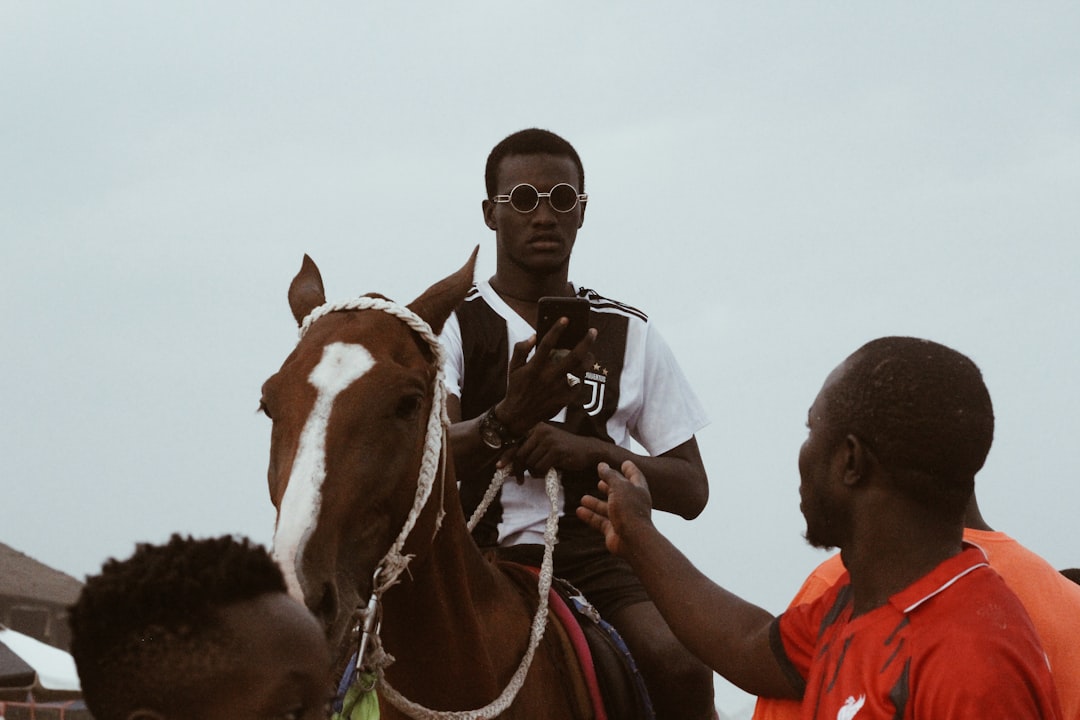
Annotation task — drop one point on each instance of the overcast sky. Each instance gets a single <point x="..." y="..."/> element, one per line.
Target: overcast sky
<point x="775" y="184"/>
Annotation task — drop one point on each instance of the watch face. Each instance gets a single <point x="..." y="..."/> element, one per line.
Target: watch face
<point x="490" y="434"/>
<point x="490" y="437"/>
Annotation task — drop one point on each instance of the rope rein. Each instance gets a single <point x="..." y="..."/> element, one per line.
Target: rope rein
<point x="394" y="563"/>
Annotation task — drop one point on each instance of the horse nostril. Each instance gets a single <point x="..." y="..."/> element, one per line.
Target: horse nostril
<point x="326" y="608"/>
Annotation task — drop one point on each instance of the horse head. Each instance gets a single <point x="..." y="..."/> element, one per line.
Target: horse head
<point x="351" y="408"/>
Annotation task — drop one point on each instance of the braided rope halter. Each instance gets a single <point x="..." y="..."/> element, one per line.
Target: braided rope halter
<point x="370" y="654"/>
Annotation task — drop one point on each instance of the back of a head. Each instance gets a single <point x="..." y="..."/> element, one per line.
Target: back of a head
<point x="924" y="411"/>
<point x="146" y="630"/>
<point x="533" y="141"/>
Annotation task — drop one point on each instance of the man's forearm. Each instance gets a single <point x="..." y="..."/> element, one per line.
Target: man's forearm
<point x="727" y="633"/>
<point x="469" y="451"/>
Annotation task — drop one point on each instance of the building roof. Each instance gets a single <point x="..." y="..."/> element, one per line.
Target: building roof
<point x="22" y="576"/>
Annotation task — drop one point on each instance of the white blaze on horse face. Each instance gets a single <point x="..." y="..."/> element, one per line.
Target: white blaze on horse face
<point x="341" y="365"/>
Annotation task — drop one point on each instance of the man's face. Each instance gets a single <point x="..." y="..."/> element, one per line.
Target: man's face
<point x="282" y="664"/>
<point x="820" y="470"/>
<point x="539" y="241"/>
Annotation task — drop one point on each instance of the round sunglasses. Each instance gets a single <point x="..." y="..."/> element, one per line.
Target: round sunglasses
<point x="524" y="198"/>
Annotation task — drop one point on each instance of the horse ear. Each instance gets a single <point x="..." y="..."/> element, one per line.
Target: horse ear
<point x="306" y="291"/>
<point x="439" y="300"/>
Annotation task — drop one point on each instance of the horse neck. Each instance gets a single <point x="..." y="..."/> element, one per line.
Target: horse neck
<point x="454" y="620"/>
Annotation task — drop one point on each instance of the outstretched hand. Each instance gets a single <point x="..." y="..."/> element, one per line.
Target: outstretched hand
<point x="626" y="511"/>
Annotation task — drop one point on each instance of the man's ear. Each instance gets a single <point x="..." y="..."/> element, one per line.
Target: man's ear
<point x="489" y="213"/>
<point x="581" y="220"/>
<point x="859" y="461"/>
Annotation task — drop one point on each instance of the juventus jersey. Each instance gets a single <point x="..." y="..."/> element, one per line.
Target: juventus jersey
<point x="637" y="393"/>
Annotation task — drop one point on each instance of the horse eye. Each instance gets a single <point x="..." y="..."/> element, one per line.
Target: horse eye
<point x="263" y="409"/>
<point x="408" y="407"/>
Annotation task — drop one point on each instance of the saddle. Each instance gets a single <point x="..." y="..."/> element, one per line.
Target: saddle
<point x="614" y="682"/>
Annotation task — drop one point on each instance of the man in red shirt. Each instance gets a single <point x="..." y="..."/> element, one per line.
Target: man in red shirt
<point x="1050" y="599"/>
<point x="919" y="626"/>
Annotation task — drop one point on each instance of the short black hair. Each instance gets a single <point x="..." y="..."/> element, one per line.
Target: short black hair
<point x="146" y="631"/>
<point x="533" y="141"/>
<point x="924" y="411"/>
<point x="1073" y="574"/>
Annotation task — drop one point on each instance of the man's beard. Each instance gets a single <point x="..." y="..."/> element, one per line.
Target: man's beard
<point x="824" y="525"/>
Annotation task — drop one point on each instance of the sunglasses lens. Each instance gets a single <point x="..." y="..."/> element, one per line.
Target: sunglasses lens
<point x="524" y="198"/>
<point x="563" y="197"/>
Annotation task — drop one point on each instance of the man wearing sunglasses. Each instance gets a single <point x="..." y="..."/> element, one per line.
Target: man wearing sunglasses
<point x="515" y="401"/>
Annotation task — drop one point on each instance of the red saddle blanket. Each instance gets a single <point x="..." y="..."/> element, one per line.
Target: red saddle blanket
<point x="615" y="686"/>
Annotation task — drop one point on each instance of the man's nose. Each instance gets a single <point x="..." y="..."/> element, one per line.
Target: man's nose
<point x="544" y="214"/>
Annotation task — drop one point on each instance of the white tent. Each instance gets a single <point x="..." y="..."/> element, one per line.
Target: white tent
<point x="54" y="668"/>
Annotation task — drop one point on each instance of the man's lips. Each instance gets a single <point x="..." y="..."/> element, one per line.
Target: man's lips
<point x="545" y="241"/>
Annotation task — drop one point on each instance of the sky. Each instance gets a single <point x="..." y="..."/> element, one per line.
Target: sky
<point x="774" y="183"/>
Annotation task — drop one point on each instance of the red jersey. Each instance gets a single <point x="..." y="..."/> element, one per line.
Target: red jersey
<point x="955" y="644"/>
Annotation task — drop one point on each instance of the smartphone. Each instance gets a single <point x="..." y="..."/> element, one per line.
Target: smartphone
<point x="575" y="309"/>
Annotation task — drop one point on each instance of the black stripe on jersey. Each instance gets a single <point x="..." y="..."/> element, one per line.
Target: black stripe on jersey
<point x="901" y="691"/>
<point x="843" y="599"/>
<point x="485" y="348"/>
<point x="601" y="303"/>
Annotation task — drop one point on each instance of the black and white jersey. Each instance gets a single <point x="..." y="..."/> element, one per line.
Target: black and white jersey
<point x="637" y="393"/>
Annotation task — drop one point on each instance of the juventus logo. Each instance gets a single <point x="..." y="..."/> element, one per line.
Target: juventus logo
<point x="596" y="380"/>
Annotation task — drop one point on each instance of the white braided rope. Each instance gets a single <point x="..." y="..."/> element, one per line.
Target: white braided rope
<point x="539" y="624"/>
<point x="489" y="496"/>
<point x="432" y="464"/>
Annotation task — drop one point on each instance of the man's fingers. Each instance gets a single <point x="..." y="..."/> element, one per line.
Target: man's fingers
<point x="583" y="350"/>
<point x="547" y="343"/>
<point x="634" y="474"/>
<point x="590" y="513"/>
<point x="521" y="352"/>
<point x="608" y="475"/>
<point x="581" y="358"/>
<point x="594" y="504"/>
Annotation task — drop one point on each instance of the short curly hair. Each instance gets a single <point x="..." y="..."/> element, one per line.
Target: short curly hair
<point x="923" y="410"/>
<point x="147" y="631"/>
<point x="533" y="141"/>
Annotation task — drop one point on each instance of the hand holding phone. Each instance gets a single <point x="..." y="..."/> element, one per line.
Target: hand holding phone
<point x="574" y="309"/>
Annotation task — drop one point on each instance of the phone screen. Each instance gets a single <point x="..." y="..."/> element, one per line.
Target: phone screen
<point x="576" y="310"/>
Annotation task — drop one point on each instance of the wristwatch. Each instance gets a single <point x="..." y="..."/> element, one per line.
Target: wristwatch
<point x="494" y="432"/>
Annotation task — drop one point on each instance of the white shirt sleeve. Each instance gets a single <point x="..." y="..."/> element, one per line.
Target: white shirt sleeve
<point x="671" y="412"/>
<point x="454" y="361"/>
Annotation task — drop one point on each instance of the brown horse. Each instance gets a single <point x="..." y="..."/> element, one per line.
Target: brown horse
<point x="354" y="408"/>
